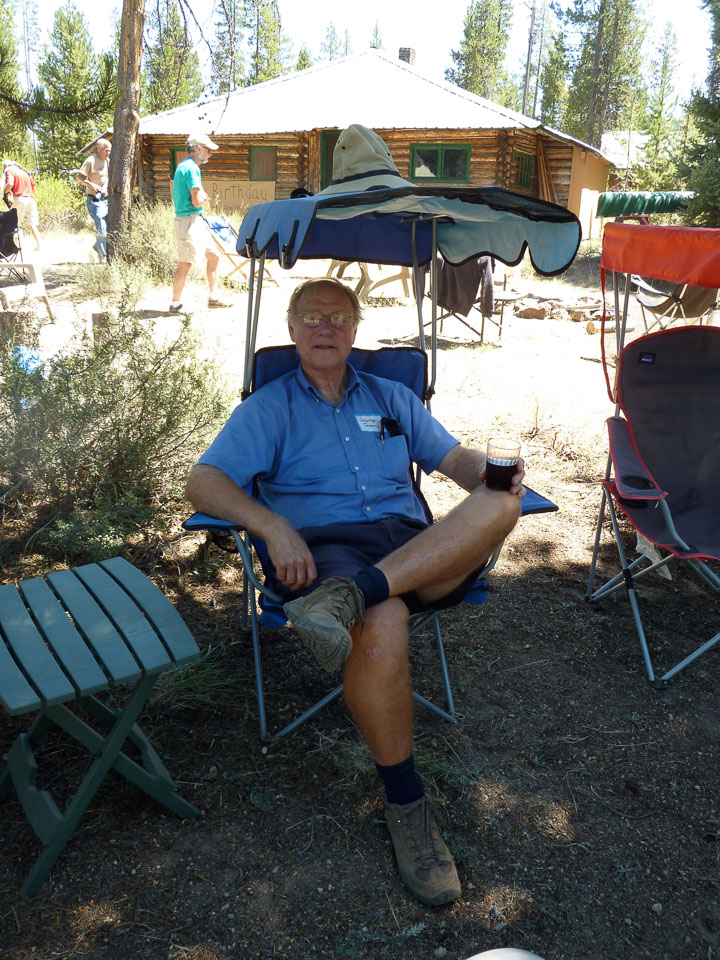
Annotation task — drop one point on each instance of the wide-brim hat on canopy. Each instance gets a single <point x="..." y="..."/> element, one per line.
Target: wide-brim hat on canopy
<point x="362" y="161"/>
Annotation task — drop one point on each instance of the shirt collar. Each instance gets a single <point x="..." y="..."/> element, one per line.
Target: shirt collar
<point x="353" y="382"/>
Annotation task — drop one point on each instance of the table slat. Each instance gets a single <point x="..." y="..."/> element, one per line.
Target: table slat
<point x="30" y="650"/>
<point x="127" y="617"/>
<point x="165" y="618"/>
<point x="61" y="635"/>
<point x="99" y="632"/>
<point x="16" y="694"/>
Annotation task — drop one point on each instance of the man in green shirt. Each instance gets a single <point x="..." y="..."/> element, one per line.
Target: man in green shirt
<point x="191" y="232"/>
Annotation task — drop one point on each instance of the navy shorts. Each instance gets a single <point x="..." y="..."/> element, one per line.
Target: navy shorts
<point x="341" y="549"/>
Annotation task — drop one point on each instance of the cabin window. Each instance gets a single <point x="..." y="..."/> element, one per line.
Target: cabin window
<point x="263" y="163"/>
<point x="177" y="155"/>
<point x="523" y="169"/>
<point x="449" y="162"/>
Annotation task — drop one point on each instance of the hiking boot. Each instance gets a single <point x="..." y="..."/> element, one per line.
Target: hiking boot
<point x="425" y="864"/>
<point x="176" y="309"/>
<point x="218" y="302"/>
<point x="324" y="619"/>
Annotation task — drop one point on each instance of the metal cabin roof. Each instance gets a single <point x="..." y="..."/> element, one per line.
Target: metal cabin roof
<point x="368" y="88"/>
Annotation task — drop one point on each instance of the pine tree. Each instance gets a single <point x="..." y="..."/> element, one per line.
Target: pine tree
<point x="658" y="169"/>
<point x="68" y="70"/>
<point x="606" y="87"/>
<point x="554" y="76"/>
<point x="479" y="61"/>
<point x="330" y="48"/>
<point x="304" y="59"/>
<point x="227" y="64"/>
<point x="270" y="48"/>
<point x="172" y="75"/>
<point x="346" y="45"/>
<point x="702" y="161"/>
<point x="13" y="135"/>
<point x="376" y="40"/>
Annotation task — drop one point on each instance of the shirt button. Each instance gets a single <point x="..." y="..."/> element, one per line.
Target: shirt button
<point x="368" y="509"/>
<point x="363" y="487"/>
<point x="347" y="439"/>
<point x="356" y="468"/>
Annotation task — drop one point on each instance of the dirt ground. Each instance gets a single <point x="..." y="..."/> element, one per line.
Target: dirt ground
<point x="581" y="804"/>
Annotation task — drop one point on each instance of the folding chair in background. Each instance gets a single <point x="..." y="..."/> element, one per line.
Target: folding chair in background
<point x="663" y="468"/>
<point x="464" y="289"/>
<point x="10" y="243"/>
<point x="225" y="237"/>
<point x="408" y="365"/>
<point x="667" y="301"/>
<point x="26" y="279"/>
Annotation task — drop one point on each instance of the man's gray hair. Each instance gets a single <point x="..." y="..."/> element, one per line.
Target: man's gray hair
<point x="316" y="281"/>
<point x="102" y="142"/>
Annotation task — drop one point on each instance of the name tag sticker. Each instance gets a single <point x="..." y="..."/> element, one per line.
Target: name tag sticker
<point x="368" y="422"/>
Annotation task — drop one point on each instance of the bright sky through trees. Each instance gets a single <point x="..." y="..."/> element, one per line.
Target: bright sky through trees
<point x="417" y="24"/>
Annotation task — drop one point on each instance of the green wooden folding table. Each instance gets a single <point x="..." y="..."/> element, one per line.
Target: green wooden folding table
<point x="63" y="639"/>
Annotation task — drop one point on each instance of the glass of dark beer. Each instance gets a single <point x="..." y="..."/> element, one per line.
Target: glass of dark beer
<point x="501" y="467"/>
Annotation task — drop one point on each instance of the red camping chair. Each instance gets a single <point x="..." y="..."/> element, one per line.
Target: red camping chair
<point x="663" y="469"/>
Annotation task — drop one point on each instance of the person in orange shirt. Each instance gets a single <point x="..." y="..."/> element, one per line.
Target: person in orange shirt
<point x="18" y="190"/>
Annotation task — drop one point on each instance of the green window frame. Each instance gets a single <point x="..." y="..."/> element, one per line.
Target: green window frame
<point x="523" y="169"/>
<point x="263" y="161"/>
<point x="174" y="151"/>
<point x="435" y="162"/>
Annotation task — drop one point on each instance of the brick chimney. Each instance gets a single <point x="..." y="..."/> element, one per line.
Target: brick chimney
<point x="407" y="54"/>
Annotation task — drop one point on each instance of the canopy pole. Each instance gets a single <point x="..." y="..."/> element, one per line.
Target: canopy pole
<point x="433" y="300"/>
<point x="247" y="366"/>
<point x="253" y="317"/>
<point x="416" y="284"/>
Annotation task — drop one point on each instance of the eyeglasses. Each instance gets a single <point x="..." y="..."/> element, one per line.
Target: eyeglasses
<point x="314" y="318"/>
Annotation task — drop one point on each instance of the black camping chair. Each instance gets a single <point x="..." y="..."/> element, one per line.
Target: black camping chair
<point x="10" y="244"/>
<point x="665" y="458"/>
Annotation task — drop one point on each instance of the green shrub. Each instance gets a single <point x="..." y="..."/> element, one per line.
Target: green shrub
<point x="61" y="203"/>
<point x="97" y="434"/>
<point x="149" y="242"/>
<point x="100" y="531"/>
<point x="111" y="283"/>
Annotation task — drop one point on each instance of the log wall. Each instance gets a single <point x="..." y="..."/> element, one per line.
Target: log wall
<point x="492" y="160"/>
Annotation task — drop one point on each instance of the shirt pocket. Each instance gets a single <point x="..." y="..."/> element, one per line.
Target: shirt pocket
<point x="395" y="459"/>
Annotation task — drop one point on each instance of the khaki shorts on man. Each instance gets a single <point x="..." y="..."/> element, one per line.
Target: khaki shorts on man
<point x="27" y="212"/>
<point x="192" y="237"/>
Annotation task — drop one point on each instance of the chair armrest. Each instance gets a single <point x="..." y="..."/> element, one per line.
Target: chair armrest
<point x="534" y="502"/>
<point x="633" y="480"/>
<point x="202" y="521"/>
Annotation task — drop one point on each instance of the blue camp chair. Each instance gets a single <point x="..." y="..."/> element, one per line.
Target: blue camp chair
<point x="407" y="365"/>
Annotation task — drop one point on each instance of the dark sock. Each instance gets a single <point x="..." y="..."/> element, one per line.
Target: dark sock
<point x="402" y="782"/>
<point x="372" y="585"/>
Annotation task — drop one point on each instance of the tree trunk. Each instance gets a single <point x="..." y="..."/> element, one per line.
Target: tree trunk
<point x="126" y="120"/>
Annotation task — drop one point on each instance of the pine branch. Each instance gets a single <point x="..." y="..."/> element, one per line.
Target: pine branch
<point x="37" y="105"/>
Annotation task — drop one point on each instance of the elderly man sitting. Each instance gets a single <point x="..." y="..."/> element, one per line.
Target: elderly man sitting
<point x="348" y="540"/>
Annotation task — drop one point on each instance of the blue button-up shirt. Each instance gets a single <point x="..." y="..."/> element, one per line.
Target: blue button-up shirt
<point x="317" y="463"/>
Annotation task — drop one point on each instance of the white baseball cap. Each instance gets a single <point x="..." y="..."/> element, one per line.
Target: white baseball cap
<point x="201" y="140"/>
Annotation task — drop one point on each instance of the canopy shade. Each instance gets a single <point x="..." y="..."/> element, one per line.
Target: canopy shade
<point x="631" y="203"/>
<point x="678" y="254"/>
<point x="375" y="226"/>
